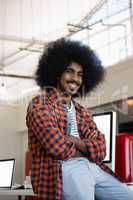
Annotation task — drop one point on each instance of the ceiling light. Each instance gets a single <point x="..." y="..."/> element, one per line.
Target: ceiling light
<point x="130" y="102"/>
<point x="4" y="96"/>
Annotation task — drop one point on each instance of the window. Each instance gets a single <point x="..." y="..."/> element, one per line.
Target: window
<point x="110" y="33"/>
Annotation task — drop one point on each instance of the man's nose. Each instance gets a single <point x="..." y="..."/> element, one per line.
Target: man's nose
<point x="75" y="76"/>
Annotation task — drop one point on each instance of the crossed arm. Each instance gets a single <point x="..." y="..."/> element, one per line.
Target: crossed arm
<point x="79" y="144"/>
<point x="93" y="144"/>
<point x="59" y="146"/>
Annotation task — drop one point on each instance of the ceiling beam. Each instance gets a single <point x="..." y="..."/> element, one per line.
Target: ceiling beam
<point x="21" y="40"/>
<point x="17" y="76"/>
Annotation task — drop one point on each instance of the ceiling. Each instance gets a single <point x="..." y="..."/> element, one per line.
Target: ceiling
<point x="25" y="27"/>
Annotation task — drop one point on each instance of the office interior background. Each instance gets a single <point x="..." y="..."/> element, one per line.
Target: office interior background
<point x="26" y="26"/>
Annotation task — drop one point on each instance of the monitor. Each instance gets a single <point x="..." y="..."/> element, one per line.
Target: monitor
<point x="6" y="172"/>
<point x="106" y="123"/>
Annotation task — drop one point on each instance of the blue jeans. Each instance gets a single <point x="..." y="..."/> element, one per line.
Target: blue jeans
<point x="84" y="180"/>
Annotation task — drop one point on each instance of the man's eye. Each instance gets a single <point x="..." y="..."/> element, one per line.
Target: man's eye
<point x="81" y="75"/>
<point x="69" y="71"/>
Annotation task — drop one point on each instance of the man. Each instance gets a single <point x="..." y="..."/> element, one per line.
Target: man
<point x="67" y="148"/>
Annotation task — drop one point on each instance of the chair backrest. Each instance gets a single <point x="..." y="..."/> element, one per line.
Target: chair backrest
<point x="124" y="156"/>
<point x="28" y="162"/>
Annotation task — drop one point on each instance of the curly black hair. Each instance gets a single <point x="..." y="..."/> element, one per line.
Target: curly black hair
<point x="61" y="53"/>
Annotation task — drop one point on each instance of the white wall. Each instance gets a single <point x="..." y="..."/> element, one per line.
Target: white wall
<point x="11" y="141"/>
<point x="117" y="85"/>
<point x="22" y="130"/>
<point x="13" y="136"/>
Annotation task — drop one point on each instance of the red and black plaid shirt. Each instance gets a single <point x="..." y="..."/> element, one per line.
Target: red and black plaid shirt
<point x="47" y="126"/>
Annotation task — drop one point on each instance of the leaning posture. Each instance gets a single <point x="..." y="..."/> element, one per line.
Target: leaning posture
<point x="67" y="148"/>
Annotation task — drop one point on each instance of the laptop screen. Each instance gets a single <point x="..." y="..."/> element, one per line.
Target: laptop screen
<point x="6" y="172"/>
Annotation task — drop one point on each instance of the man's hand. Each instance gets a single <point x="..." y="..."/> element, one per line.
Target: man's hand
<point x="92" y="136"/>
<point x="79" y="144"/>
<point x="72" y="139"/>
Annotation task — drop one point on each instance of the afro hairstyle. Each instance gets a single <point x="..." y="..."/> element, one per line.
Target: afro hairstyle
<point x="61" y="53"/>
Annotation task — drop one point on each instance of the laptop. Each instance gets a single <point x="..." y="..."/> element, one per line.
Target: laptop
<point x="7" y="167"/>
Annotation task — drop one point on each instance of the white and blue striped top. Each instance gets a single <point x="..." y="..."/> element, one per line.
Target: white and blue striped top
<point x="72" y="124"/>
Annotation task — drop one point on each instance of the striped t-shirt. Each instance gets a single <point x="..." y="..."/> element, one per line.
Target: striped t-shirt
<point x="72" y="124"/>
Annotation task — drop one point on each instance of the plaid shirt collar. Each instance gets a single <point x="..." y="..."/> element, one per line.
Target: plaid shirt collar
<point x="58" y="98"/>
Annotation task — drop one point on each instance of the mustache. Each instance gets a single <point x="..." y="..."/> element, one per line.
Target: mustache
<point x="74" y="82"/>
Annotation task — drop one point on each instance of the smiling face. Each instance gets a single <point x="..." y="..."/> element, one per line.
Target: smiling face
<point x="71" y="79"/>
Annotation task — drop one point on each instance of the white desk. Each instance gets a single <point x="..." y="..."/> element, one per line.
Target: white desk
<point x="17" y="192"/>
<point x="130" y="186"/>
<point x="26" y="192"/>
